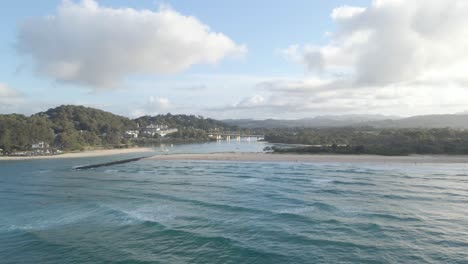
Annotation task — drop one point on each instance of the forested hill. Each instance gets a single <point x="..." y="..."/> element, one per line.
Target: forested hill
<point x="80" y="118"/>
<point x="77" y="126"/>
<point x="183" y="121"/>
<point x="71" y="127"/>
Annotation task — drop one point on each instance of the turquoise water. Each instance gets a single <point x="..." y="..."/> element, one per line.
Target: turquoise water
<point x="225" y="212"/>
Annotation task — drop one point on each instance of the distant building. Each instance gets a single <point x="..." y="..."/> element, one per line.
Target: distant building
<point x="163" y="133"/>
<point x="161" y="130"/>
<point x="40" y="148"/>
<point x="40" y="145"/>
<point x="152" y="130"/>
<point x="132" y="133"/>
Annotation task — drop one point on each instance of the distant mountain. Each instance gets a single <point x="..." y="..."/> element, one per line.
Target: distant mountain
<point x="459" y="121"/>
<point x="425" y="121"/>
<point x="315" y="122"/>
<point x="81" y="118"/>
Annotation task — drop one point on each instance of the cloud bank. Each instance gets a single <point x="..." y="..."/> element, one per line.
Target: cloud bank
<point x="7" y="92"/>
<point x="393" y="57"/>
<point x="394" y="41"/>
<point x="98" y="46"/>
<point x="10" y="99"/>
<point x="153" y="106"/>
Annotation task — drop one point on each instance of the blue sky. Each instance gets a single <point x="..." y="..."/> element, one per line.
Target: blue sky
<point x="275" y="59"/>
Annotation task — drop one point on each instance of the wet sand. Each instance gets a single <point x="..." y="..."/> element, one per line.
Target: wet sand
<point x="269" y="157"/>
<point x="83" y="154"/>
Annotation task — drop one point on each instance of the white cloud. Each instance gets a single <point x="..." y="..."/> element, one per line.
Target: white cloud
<point x="10" y="99"/>
<point x="394" y="41"/>
<point x="154" y="106"/>
<point x="160" y="102"/>
<point x="7" y="92"/>
<point x="346" y="12"/>
<point x="393" y="57"/>
<point x="307" y="98"/>
<point x="99" y="46"/>
<point x="254" y="101"/>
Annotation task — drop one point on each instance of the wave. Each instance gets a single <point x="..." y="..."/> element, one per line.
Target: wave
<point x="147" y="171"/>
<point x="322" y="181"/>
<point x="51" y="221"/>
<point x="353" y="183"/>
<point x="299" y="210"/>
<point x="253" y="180"/>
<point x="147" y="213"/>
<point x="392" y="217"/>
<point x="111" y="171"/>
<point x="307" y="209"/>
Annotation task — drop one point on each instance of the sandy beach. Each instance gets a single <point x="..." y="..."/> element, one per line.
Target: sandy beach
<point x="83" y="154"/>
<point x="269" y="157"/>
<point x="259" y="157"/>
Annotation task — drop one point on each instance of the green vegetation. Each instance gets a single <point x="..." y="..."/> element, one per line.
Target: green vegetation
<point x="372" y="141"/>
<point x="77" y="127"/>
<point x="18" y="132"/>
<point x="190" y="128"/>
<point x="183" y="122"/>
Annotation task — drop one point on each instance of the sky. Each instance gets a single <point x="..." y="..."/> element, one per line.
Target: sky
<point x="235" y="59"/>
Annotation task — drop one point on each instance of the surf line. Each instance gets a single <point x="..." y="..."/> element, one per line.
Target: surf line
<point x="92" y="166"/>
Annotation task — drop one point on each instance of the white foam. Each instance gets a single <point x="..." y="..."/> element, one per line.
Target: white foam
<point x="252" y="180"/>
<point x="148" y="213"/>
<point x="50" y="222"/>
<point x="297" y="210"/>
<point x="322" y="181"/>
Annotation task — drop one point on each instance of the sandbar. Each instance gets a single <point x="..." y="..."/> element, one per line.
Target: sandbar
<point x="313" y="158"/>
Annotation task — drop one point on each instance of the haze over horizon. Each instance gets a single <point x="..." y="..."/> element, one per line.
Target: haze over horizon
<point x="239" y="59"/>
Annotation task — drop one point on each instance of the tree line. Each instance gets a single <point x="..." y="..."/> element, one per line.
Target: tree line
<point x="367" y="140"/>
<point x="70" y="127"/>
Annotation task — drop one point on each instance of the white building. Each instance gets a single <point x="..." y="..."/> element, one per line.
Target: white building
<point x="152" y="130"/>
<point x="161" y="130"/>
<point x="163" y="133"/>
<point x="131" y="133"/>
<point x="40" y="148"/>
<point x="40" y="145"/>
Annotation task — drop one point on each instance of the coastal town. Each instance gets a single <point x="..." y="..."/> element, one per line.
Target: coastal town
<point x="43" y="148"/>
<point x="150" y="131"/>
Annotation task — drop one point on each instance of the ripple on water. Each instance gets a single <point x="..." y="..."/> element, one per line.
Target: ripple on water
<point x="221" y="212"/>
<point x="146" y="213"/>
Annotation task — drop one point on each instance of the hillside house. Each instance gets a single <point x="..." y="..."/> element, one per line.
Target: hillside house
<point x="40" y="145"/>
<point x="152" y="130"/>
<point x="40" y="148"/>
<point x="132" y="133"/>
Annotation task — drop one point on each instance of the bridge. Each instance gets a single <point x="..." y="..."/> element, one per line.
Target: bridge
<point x="231" y="135"/>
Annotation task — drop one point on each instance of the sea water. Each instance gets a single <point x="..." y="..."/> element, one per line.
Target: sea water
<point x="232" y="212"/>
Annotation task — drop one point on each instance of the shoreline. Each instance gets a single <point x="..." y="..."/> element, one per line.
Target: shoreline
<point x="255" y="157"/>
<point x="82" y="154"/>
<point x="311" y="158"/>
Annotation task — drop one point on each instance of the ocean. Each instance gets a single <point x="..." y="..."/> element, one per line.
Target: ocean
<point x="226" y="212"/>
